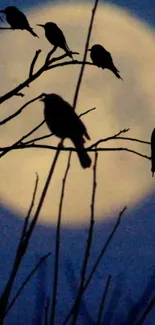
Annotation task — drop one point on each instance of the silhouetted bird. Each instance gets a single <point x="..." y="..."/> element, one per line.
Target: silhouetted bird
<point x="153" y="152"/>
<point x="103" y="59"/>
<point x="56" y="37"/>
<point x="17" y="20"/>
<point x="65" y="123"/>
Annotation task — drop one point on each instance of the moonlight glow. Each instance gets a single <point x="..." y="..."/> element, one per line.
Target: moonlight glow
<point x="123" y="178"/>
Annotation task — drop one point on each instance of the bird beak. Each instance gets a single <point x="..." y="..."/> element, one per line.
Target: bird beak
<point x="40" y="25"/>
<point x="89" y="50"/>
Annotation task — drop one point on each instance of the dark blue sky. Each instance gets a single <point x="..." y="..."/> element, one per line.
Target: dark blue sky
<point x="144" y="9"/>
<point x="130" y="257"/>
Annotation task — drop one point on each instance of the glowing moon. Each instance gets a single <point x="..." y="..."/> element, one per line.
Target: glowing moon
<point x="123" y="178"/>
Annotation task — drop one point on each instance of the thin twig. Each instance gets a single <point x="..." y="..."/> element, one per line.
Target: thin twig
<point x="30" y="209"/>
<point x="115" y="136"/>
<point x="66" y="63"/>
<point x="49" y="147"/>
<point x="133" y="139"/>
<point x="85" y="54"/>
<point x="20" y="95"/>
<point x="146" y="312"/>
<point x="88" y="244"/>
<point x="23" y="285"/>
<point x="16" y="264"/>
<point x="20" y="109"/>
<point x="49" y="135"/>
<point x="38" y="139"/>
<point x="57" y="246"/>
<point x="47" y="61"/>
<point x="22" y="248"/>
<point x="94" y="268"/>
<point x="46" y="311"/>
<point x="19" y="142"/>
<point x="37" y="74"/>
<point x="103" y="300"/>
<point x="34" y="62"/>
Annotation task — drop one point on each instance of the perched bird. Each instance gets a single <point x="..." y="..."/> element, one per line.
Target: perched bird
<point x="56" y="37"/>
<point x="65" y="123"/>
<point x="103" y="59"/>
<point x="17" y="20"/>
<point x="153" y="152"/>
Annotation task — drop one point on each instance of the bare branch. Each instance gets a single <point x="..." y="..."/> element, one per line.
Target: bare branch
<point x="57" y="245"/>
<point x="20" y="95"/>
<point x="46" y="311"/>
<point x="94" y="268"/>
<point x="18" y="146"/>
<point x="88" y="245"/>
<point x="30" y="209"/>
<point x="23" y="285"/>
<point x="15" y="145"/>
<point x="103" y="300"/>
<point x="20" y="109"/>
<point x="88" y="111"/>
<point x="38" y="139"/>
<point x="85" y="54"/>
<point x="47" y="61"/>
<point x="49" y="135"/>
<point x="16" y="264"/>
<point x="33" y="63"/>
<point x="37" y="74"/>
<point x="133" y="139"/>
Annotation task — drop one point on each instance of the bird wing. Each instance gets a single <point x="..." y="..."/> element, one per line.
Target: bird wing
<point x="18" y="20"/>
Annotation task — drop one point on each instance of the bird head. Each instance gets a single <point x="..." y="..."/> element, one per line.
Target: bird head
<point x="41" y="25"/>
<point x="48" y="25"/>
<point x="9" y="9"/>
<point x="51" y="98"/>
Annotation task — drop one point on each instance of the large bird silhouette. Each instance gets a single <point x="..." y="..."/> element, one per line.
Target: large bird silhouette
<point x="153" y="152"/>
<point x="103" y="59"/>
<point x="17" y="20"/>
<point x="56" y="37"/>
<point x="65" y="123"/>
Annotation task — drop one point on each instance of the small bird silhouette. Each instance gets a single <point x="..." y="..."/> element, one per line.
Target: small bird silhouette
<point x="17" y="20"/>
<point x="103" y="59"/>
<point x="65" y="123"/>
<point x="153" y="152"/>
<point x="56" y="37"/>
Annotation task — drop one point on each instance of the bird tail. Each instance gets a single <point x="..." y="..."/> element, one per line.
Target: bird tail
<point x="153" y="165"/>
<point x="32" y="32"/>
<point x="84" y="158"/>
<point x="67" y="50"/>
<point x="116" y="72"/>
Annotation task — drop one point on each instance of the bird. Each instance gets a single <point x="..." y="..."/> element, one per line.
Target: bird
<point x="153" y="152"/>
<point x="17" y="20"/>
<point x="63" y="122"/>
<point x="103" y="59"/>
<point x="56" y="37"/>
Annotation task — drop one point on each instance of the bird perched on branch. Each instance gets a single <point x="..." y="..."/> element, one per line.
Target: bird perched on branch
<point x="153" y="152"/>
<point x="65" y="123"/>
<point x="103" y="59"/>
<point x="17" y="20"/>
<point x="56" y="37"/>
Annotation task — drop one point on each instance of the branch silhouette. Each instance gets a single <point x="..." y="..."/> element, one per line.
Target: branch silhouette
<point x="88" y="243"/>
<point x="96" y="264"/>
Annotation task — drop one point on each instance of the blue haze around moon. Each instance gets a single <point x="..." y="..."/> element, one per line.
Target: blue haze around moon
<point x="143" y="9"/>
<point x="131" y="262"/>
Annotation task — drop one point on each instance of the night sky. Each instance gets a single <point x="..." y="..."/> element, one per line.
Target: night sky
<point x="143" y="226"/>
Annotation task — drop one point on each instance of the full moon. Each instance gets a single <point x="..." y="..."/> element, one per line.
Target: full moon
<point x="123" y="178"/>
